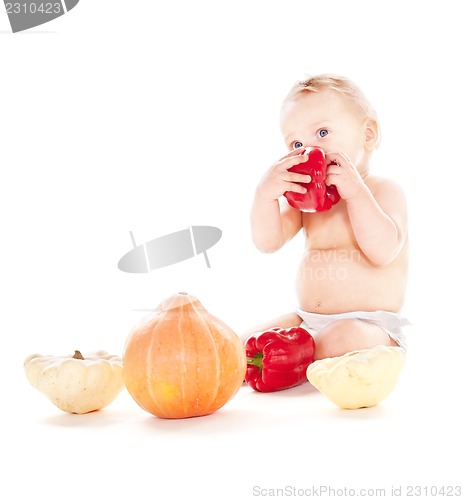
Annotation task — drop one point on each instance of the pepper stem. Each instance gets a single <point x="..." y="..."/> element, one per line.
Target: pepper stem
<point x="78" y="355"/>
<point x="256" y="360"/>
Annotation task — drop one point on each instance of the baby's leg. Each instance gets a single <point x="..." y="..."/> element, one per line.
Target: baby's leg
<point x="349" y="335"/>
<point x="285" y="321"/>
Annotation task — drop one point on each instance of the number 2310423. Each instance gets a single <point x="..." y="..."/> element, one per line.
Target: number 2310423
<point x="33" y="8"/>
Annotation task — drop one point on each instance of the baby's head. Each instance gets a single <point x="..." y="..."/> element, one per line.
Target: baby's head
<point x="331" y="112"/>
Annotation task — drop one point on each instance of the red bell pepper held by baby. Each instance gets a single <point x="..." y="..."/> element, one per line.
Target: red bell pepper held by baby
<point x="319" y="197"/>
<point x="278" y="358"/>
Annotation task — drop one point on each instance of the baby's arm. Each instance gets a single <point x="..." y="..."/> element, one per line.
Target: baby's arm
<point x="379" y="220"/>
<point x="271" y="226"/>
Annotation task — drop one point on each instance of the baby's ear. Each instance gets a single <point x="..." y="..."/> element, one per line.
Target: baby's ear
<point x="371" y="134"/>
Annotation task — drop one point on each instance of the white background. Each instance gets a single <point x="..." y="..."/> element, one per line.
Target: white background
<point x="150" y="117"/>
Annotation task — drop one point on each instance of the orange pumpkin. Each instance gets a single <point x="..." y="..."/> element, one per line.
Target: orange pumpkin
<point x="181" y="361"/>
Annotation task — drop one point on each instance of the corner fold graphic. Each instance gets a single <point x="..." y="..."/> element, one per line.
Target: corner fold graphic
<point x="33" y="13"/>
<point x="70" y="4"/>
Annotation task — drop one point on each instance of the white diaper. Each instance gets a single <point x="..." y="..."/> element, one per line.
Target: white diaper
<point x="390" y="322"/>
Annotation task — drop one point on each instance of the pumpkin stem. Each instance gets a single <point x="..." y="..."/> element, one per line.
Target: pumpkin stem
<point x="78" y="355"/>
<point x="256" y="360"/>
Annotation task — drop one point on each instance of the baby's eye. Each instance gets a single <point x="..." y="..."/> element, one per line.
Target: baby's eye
<point x="323" y="132"/>
<point x="297" y="144"/>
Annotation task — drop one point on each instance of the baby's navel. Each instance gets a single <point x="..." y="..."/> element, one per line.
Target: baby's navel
<point x="318" y="304"/>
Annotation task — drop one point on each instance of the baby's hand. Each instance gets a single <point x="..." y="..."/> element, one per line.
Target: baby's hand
<point x="342" y="173"/>
<point x="277" y="180"/>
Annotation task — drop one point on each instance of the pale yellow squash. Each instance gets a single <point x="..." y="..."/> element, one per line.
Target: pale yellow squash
<point x="77" y="383"/>
<point x="360" y="378"/>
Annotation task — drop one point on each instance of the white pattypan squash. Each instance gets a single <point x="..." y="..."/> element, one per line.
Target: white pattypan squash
<point x="76" y="383"/>
<point x="360" y="378"/>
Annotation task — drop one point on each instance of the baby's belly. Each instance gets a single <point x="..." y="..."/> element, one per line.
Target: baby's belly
<point x="339" y="280"/>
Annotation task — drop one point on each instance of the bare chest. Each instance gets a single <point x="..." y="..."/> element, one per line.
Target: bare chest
<point x="330" y="229"/>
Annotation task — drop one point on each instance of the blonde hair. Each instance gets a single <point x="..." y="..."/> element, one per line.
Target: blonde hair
<point x="344" y="86"/>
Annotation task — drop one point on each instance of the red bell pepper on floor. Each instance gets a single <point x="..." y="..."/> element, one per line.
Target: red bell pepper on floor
<point x="278" y="358"/>
<point x="319" y="197"/>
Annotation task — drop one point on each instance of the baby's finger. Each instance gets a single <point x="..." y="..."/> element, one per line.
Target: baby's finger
<point x="337" y="158"/>
<point x="296" y="188"/>
<point x="295" y="177"/>
<point x="334" y="169"/>
<point x="289" y="162"/>
<point x="333" y="172"/>
<point x="294" y="152"/>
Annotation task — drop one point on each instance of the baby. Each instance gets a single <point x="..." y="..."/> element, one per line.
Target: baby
<point x="352" y="278"/>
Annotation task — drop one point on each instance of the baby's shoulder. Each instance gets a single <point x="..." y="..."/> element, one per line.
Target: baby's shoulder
<point x="379" y="184"/>
<point x="388" y="194"/>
